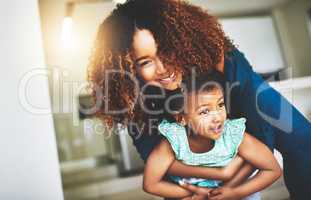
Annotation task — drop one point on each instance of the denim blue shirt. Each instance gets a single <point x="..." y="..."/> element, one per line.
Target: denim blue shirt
<point x="270" y="117"/>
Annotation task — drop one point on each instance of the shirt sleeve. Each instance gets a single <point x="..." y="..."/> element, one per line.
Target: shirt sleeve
<point x="144" y="139"/>
<point x="235" y="133"/>
<point x="244" y="101"/>
<point x="170" y="132"/>
<point x="270" y="117"/>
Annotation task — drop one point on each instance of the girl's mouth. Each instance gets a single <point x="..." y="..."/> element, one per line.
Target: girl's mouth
<point x="217" y="129"/>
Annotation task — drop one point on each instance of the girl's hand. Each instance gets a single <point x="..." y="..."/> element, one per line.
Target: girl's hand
<point x="224" y="193"/>
<point x="199" y="193"/>
<point x="196" y="197"/>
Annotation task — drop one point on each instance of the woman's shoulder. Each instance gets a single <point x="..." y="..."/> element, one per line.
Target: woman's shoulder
<point x="237" y="69"/>
<point x="234" y="53"/>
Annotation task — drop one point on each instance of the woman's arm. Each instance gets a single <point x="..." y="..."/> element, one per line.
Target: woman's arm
<point x="243" y="174"/>
<point x="157" y="164"/>
<point x="257" y="154"/>
<point x="224" y="173"/>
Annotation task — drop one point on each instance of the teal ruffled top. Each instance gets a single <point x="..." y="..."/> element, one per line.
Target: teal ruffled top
<point x="224" y="150"/>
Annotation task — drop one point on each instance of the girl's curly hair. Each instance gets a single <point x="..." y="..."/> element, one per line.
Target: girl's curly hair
<point x="187" y="38"/>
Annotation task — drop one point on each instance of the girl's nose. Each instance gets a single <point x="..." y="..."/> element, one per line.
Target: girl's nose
<point x="216" y="117"/>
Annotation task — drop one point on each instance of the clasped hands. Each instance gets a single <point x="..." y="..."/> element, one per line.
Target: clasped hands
<point x="203" y="193"/>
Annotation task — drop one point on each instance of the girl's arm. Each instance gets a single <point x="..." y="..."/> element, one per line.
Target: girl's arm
<point x="257" y="154"/>
<point x="157" y="164"/>
<point x="224" y="173"/>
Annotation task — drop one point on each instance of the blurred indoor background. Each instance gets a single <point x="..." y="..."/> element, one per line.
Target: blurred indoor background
<point x="95" y="163"/>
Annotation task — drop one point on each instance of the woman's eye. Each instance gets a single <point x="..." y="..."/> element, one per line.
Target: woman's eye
<point x="145" y="63"/>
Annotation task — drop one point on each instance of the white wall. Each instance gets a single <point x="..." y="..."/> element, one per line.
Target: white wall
<point x="237" y="7"/>
<point x="292" y="22"/>
<point x="257" y="38"/>
<point x="29" y="166"/>
<point x="298" y="92"/>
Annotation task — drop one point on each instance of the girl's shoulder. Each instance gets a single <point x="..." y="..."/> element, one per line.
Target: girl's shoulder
<point x="235" y="124"/>
<point x="233" y="134"/>
<point x="168" y="128"/>
<point x="175" y="135"/>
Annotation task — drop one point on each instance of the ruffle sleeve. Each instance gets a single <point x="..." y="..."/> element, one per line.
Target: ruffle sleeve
<point x="171" y="131"/>
<point x="235" y="133"/>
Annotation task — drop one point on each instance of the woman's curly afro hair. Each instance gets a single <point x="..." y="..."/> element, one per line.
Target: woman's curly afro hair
<point x="187" y="38"/>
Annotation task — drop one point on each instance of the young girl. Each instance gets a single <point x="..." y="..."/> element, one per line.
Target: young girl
<point x="202" y="135"/>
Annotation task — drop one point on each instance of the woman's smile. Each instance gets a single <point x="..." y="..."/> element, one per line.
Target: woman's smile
<point x="149" y="66"/>
<point x="169" y="79"/>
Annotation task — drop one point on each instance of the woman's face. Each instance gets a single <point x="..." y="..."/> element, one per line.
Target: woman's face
<point x="148" y="65"/>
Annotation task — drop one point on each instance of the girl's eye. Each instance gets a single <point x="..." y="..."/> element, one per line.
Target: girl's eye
<point x="204" y="111"/>
<point x="221" y="105"/>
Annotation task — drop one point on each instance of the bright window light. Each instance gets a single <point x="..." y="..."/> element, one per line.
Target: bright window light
<point x="67" y="32"/>
<point x="119" y="1"/>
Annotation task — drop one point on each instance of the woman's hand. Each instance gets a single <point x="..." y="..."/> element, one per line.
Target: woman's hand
<point x="203" y="193"/>
<point x="199" y="193"/>
<point x="224" y="193"/>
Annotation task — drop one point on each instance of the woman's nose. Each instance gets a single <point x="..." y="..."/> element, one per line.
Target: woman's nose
<point x="160" y="67"/>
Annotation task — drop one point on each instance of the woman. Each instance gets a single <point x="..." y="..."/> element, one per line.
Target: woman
<point x="154" y="45"/>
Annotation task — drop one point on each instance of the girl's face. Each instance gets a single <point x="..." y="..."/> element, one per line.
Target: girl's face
<point x="149" y="66"/>
<point x="206" y="113"/>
